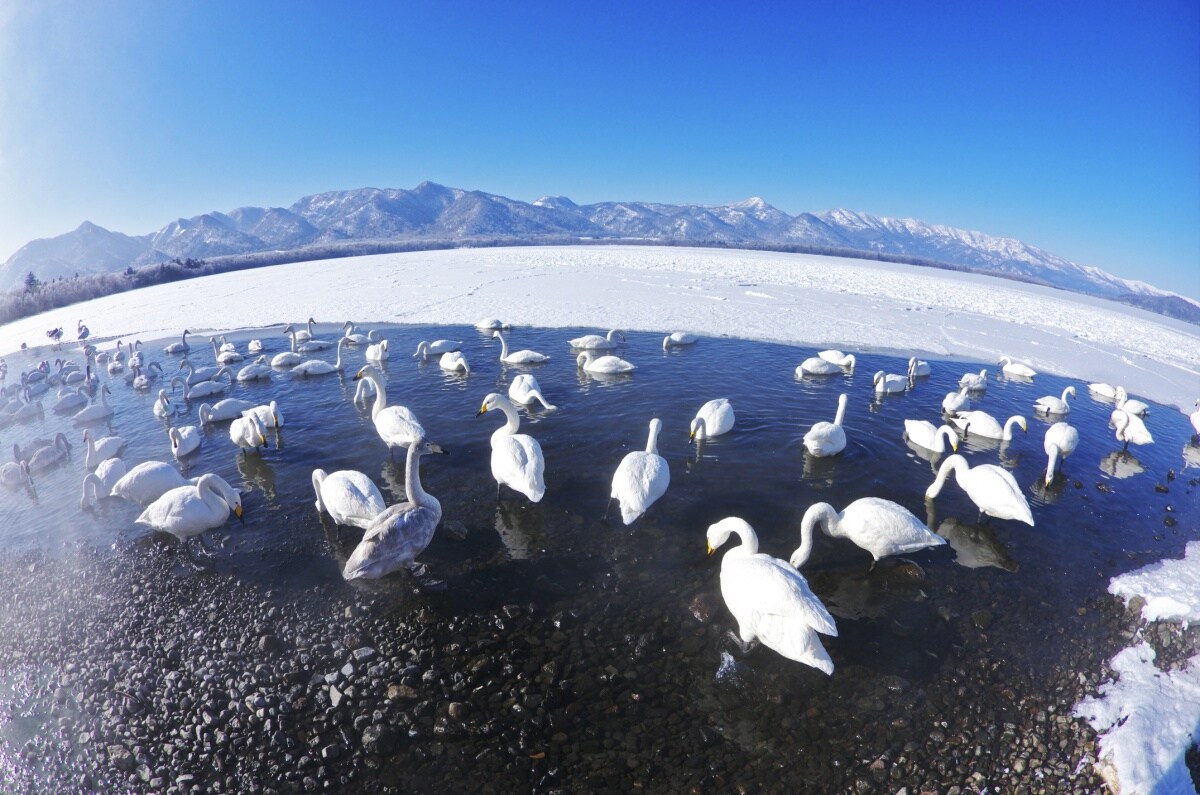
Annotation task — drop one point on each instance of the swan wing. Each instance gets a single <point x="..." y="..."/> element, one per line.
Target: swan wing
<point x="996" y="493"/>
<point x="641" y="478"/>
<point x="762" y="585"/>
<point x="793" y="639"/>
<point x="884" y="528"/>
<point x="398" y="426"/>
<point x="517" y="462"/>
<point x="352" y="498"/>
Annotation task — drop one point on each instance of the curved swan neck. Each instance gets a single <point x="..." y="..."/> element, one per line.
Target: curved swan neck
<point x="955" y="463"/>
<point x="841" y="410"/>
<point x="547" y="405"/>
<point x="1008" y="426"/>
<point x="412" y="476"/>
<point x="1052" y="463"/>
<point x="503" y="344"/>
<point x="947" y="433"/>
<point x="1067" y="392"/>
<point x="513" y="420"/>
<point x="699" y="428"/>
<point x="318" y="477"/>
<point x="341" y="343"/>
<point x="93" y="480"/>
<point x="380" y="394"/>
<point x="820" y="514"/>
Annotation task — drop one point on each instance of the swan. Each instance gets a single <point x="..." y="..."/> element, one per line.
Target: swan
<point x="311" y="345"/>
<point x="1195" y="418"/>
<point x="1052" y="405"/>
<point x="179" y="347"/>
<point x="454" y="362"/>
<point x="349" y="497"/>
<point x="815" y="365"/>
<point x="517" y="459"/>
<point x="518" y="357"/>
<point x="769" y="599"/>
<point x="145" y="380"/>
<point x="918" y="368"/>
<point x="258" y="370"/>
<point x="925" y="434"/>
<point x="101" y="449"/>
<point x="96" y="411"/>
<point x="49" y="456"/>
<point x="377" y="352"/>
<point x="1135" y="407"/>
<point x="992" y="489"/>
<point x="15" y="474"/>
<point x="227" y="409"/>
<point x="397" y="535"/>
<point x="641" y="478"/>
<point x="188" y="511"/>
<point x="1130" y="428"/>
<point x="320" y="367"/>
<point x="289" y="358"/>
<point x="184" y="440"/>
<point x="436" y="348"/>
<point x="247" y="432"/>
<point x="713" y="419"/>
<point x="254" y="346"/>
<point x="888" y="384"/>
<point x="226" y="346"/>
<point x="353" y="338"/>
<point x="525" y="389"/>
<point x="34" y="445"/>
<point x="976" y="382"/>
<point x="1061" y="440"/>
<point x="148" y="481"/>
<point x="980" y="423"/>
<point x="1103" y="390"/>
<point x="955" y="402"/>
<point x="269" y="415"/>
<point x="837" y="357"/>
<point x="162" y="406"/>
<point x="196" y="375"/>
<point x="222" y="355"/>
<point x="879" y="526"/>
<point x="678" y="338"/>
<point x="491" y="324"/>
<point x="1018" y="369"/>
<point x="595" y="342"/>
<point x="304" y="334"/>
<point x="71" y="401"/>
<point x="101" y="482"/>
<point x="603" y="365"/>
<point x="207" y="388"/>
<point x="828" y="438"/>
<point x="119" y="356"/>
<point x="396" y="425"/>
<point x="115" y="366"/>
<point x="363" y="392"/>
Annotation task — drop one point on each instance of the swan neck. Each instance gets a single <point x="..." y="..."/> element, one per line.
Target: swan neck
<point x="412" y="477"/>
<point x="513" y="420"/>
<point x="841" y="411"/>
<point x="952" y="464"/>
<point x="503" y="346"/>
<point x="1052" y="463"/>
<point x="749" y="545"/>
<point x="817" y="514"/>
<point x="318" y="477"/>
<point x="380" y="395"/>
<point x="652" y="440"/>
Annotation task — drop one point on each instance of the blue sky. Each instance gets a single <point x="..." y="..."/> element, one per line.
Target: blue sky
<point x="1072" y="126"/>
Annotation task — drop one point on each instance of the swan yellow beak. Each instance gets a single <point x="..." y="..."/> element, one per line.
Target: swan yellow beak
<point x="954" y="445"/>
<point x="711" y="549"/>
<point x="437" y="448"/>
<point x="357" y="375"/>
<point x="482" y="410"/>
<point x="237" y="511"/>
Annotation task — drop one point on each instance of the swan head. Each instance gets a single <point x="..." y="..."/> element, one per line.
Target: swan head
<point x="719" y="532"/>
<point x="370" y="372"/>
<point x="583" y="359"/>
<point x="697" y="429"/>
<point x="877" y="377"/>
<point x="422" y="347"/>
<point x="493" y="400"/>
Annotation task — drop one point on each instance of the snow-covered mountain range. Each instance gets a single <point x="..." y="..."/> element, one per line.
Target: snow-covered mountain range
<point x="435" y="213"/>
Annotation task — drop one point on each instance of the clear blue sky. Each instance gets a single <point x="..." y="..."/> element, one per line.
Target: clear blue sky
<point x="1072" y="126"/>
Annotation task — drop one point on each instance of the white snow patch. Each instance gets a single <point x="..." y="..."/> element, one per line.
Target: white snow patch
<point x="1171" y="588"/>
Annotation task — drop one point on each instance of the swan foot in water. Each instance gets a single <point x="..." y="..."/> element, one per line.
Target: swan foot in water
<point x="417" y="569"/>
<point x="743" y="647"/>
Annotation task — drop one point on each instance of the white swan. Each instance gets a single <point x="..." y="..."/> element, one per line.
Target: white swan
<point x="518" y="357"/>
<point x="918" y="368"/>
<point x="678" y="338"/>
<point x="226" y="346"/>
<point x="603" y="365"/>
<point x="976" y="382"/>
<point x="289" y="358"/>
<point x="49" y="456"/>
<point x="1103" y="390"/>
<point x="595" y="342"/>
<point x="223" y="355"/>
<point x="828" y="438"/>
<point x="146" y="380"/>
<point x="436" y="348"/>
<point x="879" y="526"/>
<point x="992" y="489"/>
<point x="268" y="414"/>
<point x="1130" y="428"/>
<point x="1052" y="405"/>
<point x="179" y="347"/>
<point x="100" y="483"/>
<point x="454" y="362"/>
<point x="377" y="352"/>
<point x="96" y="411"/>
<point x="396" y="536"/>
<point x="319" y="366"/>
<point x="258" y="370"/>
<point x="491" y="324"/>
<point x="363" y="392"/>
<point x="888" y="384"/>
<point x="254" y="346"/>
<point x="148" y="481"/>
<point x="714" y="418"/>
<point x="355" y="338"/>
<point x="954" y="402"/>
<point x="1061" y="440"/>
<point x="1195" y="418"/>
<point x="641" y="478"/>
<point x="517" y="460"/>
<point x="72" y="401"/>
<point x="100" y="449"/>
<point x="980" y="423"/>
<point x="926" y="434"/>
<point x="304" y="334"/>
<point x="204" y="389"/>
<point x="184" y="440"/>
<point x="227" y="409"/>
<point x="769" y="599"/>
<point x="1019" y="369"/>
<point x="396" y="425"/>
<point x="815" y="365"/>
<point x="525" y="389"/>
<point x="348" y="496"/>
<point x="845" y="360"/>
<point x="1135" y="407"/>
<point x="14" y="474"/>
<point x="188" y="511"/>
<point x="195" y="375"/>
<point x="248" y="433"/>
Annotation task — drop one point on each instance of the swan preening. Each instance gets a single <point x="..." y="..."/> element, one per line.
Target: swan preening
<point x="929" y="436"/>
<point x="184" y="440"/>
<point x="879" y="526"/>
<point x="641" y="478"/>
<point x="1130" y="428"/>
<point x="595" y="342"/>
<point x="992" y="489"/>
<point x="1061" y="440"/>
<point x="1019" y="369"/>
<point x="348" y="496"/>
<point x="187" y="511"/>
<point x="603" y="365"/>
<point x="1052" y="405"/>
<point x="828" y="438"/>
<point x="247" y="432"/>
<point x="524" y="390"/>
<point x="769" y="599"/>
<point x="980" y="423"/>
<point x="517" y="460"/>
<point x="518" y="357"/>
<point x="377" y="352"/>
<point x="395" y="537"/>
<point x="396" y="425"/>
<point x="713" y="419"/>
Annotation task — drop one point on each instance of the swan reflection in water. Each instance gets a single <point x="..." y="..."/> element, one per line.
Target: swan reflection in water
<point x="975" y="546"/>
<point x="520" y="530"/>
<point x="1191" y="456"/>
<point x="257" y="474"/>
<point x="1121" y="464"/>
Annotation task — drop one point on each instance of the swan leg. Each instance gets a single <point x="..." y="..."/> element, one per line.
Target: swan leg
<point x="417" y="569"/>
<point x="745" y="647"/>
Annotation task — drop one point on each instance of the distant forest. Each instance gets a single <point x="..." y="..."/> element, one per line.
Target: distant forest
<point x="36" y="296"/>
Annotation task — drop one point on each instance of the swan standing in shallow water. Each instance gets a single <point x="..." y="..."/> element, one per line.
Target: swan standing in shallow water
<point x="845" y="360"/>
<point x="886" y="384"/>
<point x="188" y="511"/>
<point x="319" y="366"/>
<point x="980" y="423"/>
<point x="1135" y="407"/>
<point x="594" y="342"/>
<point x="454" y="362"/>
<point x="828" y="438"/>
<point x="879" y="526"/>
<point x="247" y="432"/>
<point x="524" y="390"/>
<point x="518" y="357"/>
<point x="517" y="460"/>
<point x="769" y="599"/>
<point x="679" y="338"/>
<point x="1052" y="405"/>
<point x="103" y="448"/>
<point x="713" y="419"/>
<point x="100" y="483"/>
<point x="992" y="489"/>
<point x="1018" y="369"/>
<point x="396" y="536"/>
<point x="955" y="402"/>
<point x="976" y="382"/>
<point x="348" y="496"/>
<point x="436" y="348"/>
<point x="184" y="440"/>
<point x="396" y="425"/>
<point x="148" y="481"/>
<point x="603" y="365"/>
<point x="268" y="414"/>
<point x="926" y="434"/>
<point x="1061" y="440"/>
<point x="641" y="478"/>
<point x="1130" y="428"/>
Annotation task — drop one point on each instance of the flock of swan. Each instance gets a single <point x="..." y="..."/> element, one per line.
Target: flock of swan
<point x="768" y="597"/>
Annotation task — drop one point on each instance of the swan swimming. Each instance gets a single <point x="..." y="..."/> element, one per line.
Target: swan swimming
<point x="713" y="419"/>
<point x="641" y="478"/>
<point x="268" y="414"/>
<point x="227" y="409"/>
<point x="887" y="384"/>
<point x="49" y="456"/>
<point x="518" y="357"/>
<point x="454" y="362"/>
<point x="925" y="434"/>
<point x="96" y="411"/>
<point x="1052" y="405"/>
<point x="179" y="347"/>
<point x="184" y="440"/>
<point x="254" y="346"/>
<point x="491" y="324"/>
<point x="525" y="389"/>
<point x="436" y="348"/>
<point x="1061" y="440"/>
<point x="845" y="360"/>
<point x="319" y="366"/>
<point x="1130" y="428"/>
<point x="1103" y="390"/>
<point x="595" y="342"/>
<point x="769" y="599"/>
<point x="202" y="389"/>
<point x="993" y="490"/>
<point x="304" y="334"/>
<point x="976" y="382"/>
<point x="289" y="358"/>
<point x="603" y="365"/>
<point x="224" y="355"/>
<point x="517" y="460"/>
<point x="828" y="438"/>
<point x="879" y="526"/>
<point x="101" y="449"/>
<point x="396" y="536"/>
<point x="377" y="352"/>
<point x="258" y="370"/>
<point x="918" y="368"/>
<point x="396" y="425"/>
<point x="815" y="365"/>
<point x="187" y="511"/>
<point x="355" y="338"/>
<point x="980" y="423"/>
<point x="348" y="496"/>
<point x="1018" y="369"/>
<point x="679" y="338"/>
<point x="72" y="401"/>
<point x="955" y="402"/>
